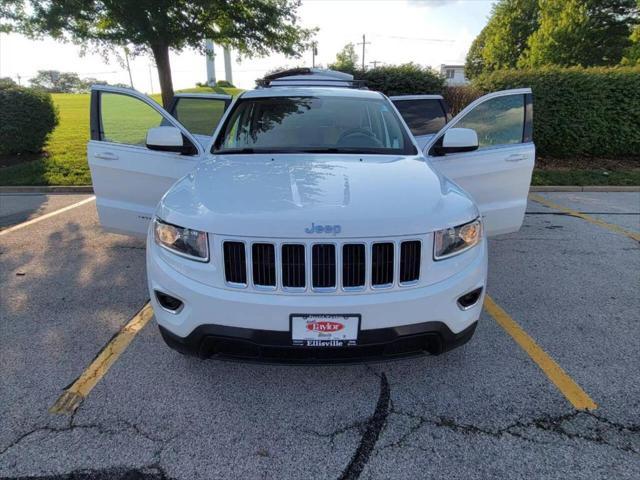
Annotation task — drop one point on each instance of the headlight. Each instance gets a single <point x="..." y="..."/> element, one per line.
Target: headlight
<point x="183" y="241"/>
<point x="453" y="241"/>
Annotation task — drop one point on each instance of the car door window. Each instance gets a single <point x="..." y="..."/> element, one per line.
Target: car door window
<point x="125" y="119"/>
<point x="199" y="115"/>
<point x="422" y="116"/>
<point x="497" y="121"/>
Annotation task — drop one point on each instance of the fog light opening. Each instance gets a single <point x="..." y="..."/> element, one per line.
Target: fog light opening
<point x="169" y="303"/>
<point x="468" y="300"/>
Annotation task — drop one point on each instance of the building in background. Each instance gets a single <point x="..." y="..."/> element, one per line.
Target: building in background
<point x="454" y="74"/>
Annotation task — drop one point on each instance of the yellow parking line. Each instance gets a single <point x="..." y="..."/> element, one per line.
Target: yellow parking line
<point x="574" y="213"/>
<point x="45" y="216"/>
<point x="73" y="396"/>
<point x="570" y="389"/>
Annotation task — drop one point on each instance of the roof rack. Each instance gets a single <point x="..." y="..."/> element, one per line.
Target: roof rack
<point x="310" y="77"/>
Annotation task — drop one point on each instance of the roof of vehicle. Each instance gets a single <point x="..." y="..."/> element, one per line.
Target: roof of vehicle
<point x="300" y="91"/>
<point x="309" y="77"/>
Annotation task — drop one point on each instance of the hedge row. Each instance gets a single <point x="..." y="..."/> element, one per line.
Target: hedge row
<point x="406" y="79"/>
<point x="27" y="117"/>
<point x="579" y="111"/>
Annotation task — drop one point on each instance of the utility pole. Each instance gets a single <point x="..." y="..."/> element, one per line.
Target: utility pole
<point x="363" y="43"/>
<point x="19" y="84"/>
<point x="126" y="57"/>
<point x="314" y="52"/>
<point x="375" y="63"/>
<point x="211" y="66"/>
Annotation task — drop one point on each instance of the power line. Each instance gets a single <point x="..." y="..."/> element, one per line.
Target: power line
<point x="417" y="39"/>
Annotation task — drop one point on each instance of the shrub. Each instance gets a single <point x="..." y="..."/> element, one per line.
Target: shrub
<point x="579" y="111"/>
<point x="224" y="83"/>
<point x="459" y="96"/>
<point x="27" y="117"/>
<point x="402" y="79"/>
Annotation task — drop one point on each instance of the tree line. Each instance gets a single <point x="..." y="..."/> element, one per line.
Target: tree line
<point x="567" y="33"/>
<point x="54" y="81"/>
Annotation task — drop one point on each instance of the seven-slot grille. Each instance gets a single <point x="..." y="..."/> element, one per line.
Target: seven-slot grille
<point x="293" y="262"/>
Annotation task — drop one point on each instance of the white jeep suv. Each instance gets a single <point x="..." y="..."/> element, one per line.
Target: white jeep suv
<point x="304" y="220"/>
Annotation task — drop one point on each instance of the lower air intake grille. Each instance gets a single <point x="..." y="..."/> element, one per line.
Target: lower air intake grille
<point x="324" y="265"/>
<point x="263" y="256"/>
<point x="410" y="261"/>
<point x="235" y="269"/>
<point x="353" y="266"/>
<point x="293" y="269"/>
<point x="382" y="264"/>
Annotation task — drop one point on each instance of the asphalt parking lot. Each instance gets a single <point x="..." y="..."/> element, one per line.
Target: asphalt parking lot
<point x="505" y="405"/>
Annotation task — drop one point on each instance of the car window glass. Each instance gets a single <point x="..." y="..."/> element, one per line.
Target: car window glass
<point x="423" y="116"/>
<point x="498" y="121"/>
<point x="199" y="115"/>
<point x="126" y="119"/>
<point x="303" y="123"/>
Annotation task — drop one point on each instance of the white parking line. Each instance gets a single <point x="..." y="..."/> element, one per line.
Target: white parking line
<point x="45" y="216"/>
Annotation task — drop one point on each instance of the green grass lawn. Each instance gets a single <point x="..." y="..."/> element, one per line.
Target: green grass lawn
<point x="65" y="161"/>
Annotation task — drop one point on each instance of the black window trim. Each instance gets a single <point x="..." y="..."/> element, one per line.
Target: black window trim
<point x="97" y="130"/>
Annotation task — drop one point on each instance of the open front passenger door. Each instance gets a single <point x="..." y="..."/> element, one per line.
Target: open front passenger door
<point x="496" y="171"/>
<point x="137" y="152"/>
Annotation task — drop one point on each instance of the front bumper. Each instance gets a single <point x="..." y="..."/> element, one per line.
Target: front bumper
<point x="266" y="345"/>
<point x="253" y="324"/>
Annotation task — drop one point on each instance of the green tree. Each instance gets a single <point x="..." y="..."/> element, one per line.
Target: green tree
<point x="581" y="32"/>
<point x="502" y="41"/>
<point x="252" y="27"/>
<point x="512" y="23"/>
<point x="632" y="53"/>
<point x="474" y="63"/>
<point x="7" y="82"/>
<point x="53" y="81"/>
<point x="346" y="59"/>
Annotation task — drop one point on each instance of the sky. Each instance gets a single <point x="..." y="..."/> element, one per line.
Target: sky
<point x="427" y="32"/>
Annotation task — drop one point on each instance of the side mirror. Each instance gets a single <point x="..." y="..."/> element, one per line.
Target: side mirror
<point x="167" y="139"/>
<point x="458" y="140"/>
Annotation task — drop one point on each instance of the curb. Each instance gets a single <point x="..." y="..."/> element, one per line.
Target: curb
<point x="588" y="188"/>
<point x="49" y="189"/>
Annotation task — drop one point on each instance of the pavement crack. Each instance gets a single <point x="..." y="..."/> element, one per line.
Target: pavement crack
<point x="601" y="431"/>
<point x="359" y="425"/>
<point x="119" y="427"/>
<point x="374" y="426"/>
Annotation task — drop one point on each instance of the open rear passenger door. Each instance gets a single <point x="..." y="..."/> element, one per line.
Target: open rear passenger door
<point x="496" y="172"/>
<point x="137" y="152"/>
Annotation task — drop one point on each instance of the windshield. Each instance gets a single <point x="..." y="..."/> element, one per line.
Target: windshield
<point x="313" y="124"/>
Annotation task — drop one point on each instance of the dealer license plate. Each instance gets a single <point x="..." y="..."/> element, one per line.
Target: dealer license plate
<point x="325" y="330"/>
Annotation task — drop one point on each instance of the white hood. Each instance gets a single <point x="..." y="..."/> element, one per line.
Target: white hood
<point x="281" y="195"/>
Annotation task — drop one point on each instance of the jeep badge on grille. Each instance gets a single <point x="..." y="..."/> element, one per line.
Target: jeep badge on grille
<point x="334" y="229"/>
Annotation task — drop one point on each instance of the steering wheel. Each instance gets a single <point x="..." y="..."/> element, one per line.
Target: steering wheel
<point x="358" y="137"/>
